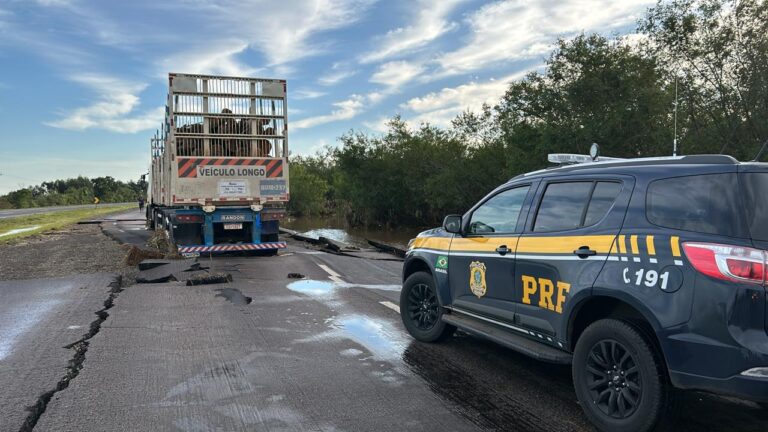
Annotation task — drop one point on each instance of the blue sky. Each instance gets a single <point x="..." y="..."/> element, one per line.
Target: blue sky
<point x="83" y="82"/>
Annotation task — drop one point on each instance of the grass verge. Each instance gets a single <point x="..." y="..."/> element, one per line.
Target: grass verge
<point x="23" y="226"/>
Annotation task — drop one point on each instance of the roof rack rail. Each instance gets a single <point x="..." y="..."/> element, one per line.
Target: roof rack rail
<point x="709" y="159"/>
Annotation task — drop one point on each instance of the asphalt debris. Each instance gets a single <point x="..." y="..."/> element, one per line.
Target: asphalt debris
<point x="205" y="278"/>
<point x="234" y="296"/>
<point x="295" y="276"/>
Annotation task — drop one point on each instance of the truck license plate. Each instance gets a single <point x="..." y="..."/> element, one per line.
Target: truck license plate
<point x="233" y="226"/>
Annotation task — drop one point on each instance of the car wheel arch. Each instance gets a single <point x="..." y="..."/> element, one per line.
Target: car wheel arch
<point x="419" y="264"/>
<point x="596" y="307"/>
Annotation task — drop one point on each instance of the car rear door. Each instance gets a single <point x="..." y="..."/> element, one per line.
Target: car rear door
<point x="481" y="262"/>
<point x="567" y="240"/>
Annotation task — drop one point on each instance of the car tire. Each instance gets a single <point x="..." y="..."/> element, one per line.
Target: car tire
<point x="421" y="311"/>
<point x="619" y="378"/>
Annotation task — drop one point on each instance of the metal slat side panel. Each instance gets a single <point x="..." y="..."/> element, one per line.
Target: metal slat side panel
<point x="227" y="140"/>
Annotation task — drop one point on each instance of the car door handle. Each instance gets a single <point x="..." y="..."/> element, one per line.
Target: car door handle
<point x="503" y="250"/>
<point x="584" y="252"/>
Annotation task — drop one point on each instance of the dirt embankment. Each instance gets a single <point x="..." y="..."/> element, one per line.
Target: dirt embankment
<point x="79" y="249"/>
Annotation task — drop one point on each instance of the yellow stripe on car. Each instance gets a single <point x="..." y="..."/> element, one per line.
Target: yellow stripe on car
<point x="650" y="245"/>
<point x="598" y="243"/>
<point x="675" y="243"/>
<point x="439" y="243"/>
<point x="482" y="244"/>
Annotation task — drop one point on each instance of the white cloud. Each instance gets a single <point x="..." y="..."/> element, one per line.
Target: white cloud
<point x="54" y="2"/>
<point x="338" y="73"/>
<point x="345" y="110"/>
<point x="113" y="111"/>
<point x="514" y="30"/>
<point x="307" y="94"/>
<point x="396" y="73"/>
<point x="379" y="124"/>
<point x="218" y="58"/>
<point x="282" y="31"/>
<point x="439" y="108"/>
<point x="430" y="23"/>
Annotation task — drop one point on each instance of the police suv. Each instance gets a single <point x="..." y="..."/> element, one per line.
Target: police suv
<point x="644" y="274"/>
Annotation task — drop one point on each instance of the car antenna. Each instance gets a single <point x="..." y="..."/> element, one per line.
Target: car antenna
<point x="674" y="141"/>
<point x="760" y="153"/>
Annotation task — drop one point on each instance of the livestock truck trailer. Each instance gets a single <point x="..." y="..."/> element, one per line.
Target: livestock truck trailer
<point x="219" y="165"/>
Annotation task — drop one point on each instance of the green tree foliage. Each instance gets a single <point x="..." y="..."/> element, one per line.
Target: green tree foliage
<point x="718" y="49"/>
<point x="80" y="190"/>
<point x="308" y="190"/>
<point x="593" y="90"/>
<point x="619" y="93"/>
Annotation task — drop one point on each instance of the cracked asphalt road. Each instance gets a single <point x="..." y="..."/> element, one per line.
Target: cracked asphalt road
<point x="318" y="354"/>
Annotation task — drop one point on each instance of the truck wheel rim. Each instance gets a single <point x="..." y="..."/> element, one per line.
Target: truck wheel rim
<point x="613" y="379"/>
<point x="422" y="306"/>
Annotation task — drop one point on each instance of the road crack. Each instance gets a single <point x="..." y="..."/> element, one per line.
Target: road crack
<point x="76" y="363"/>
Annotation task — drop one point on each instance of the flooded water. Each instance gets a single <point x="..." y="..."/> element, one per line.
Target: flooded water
<point x="337" y="229"/>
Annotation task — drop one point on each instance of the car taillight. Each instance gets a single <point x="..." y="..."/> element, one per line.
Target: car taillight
<point x="732" y="263"/>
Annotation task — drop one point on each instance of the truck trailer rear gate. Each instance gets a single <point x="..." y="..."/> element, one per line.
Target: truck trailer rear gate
<point x="219" y="174"/>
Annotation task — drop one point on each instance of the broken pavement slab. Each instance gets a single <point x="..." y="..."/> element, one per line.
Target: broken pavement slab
<point x="179" y="270"/>
<point x="152" y="263"/>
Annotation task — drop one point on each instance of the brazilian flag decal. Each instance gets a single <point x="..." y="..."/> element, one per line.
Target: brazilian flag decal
<point x="442" y="262"/>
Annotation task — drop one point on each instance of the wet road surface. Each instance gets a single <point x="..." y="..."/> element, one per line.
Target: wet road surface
<point x="327" y="352"/>
<point x="39" y="319"/>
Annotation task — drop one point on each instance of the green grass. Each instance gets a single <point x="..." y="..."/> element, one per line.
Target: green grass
<point x="52" y="221"/>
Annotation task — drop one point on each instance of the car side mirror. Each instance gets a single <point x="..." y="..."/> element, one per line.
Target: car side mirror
<point x="452" y="224"/>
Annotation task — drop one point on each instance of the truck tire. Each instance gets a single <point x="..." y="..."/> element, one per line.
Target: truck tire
<point x="421" y="311"/>
<point x="619" y="378"/>
<point x="151" y="219"/>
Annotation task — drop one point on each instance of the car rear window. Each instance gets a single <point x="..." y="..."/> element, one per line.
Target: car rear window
<point x="705" y="203"/>
<point x="756" y="197"/>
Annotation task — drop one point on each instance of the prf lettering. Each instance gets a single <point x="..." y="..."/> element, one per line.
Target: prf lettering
<point x="545" y="289"/>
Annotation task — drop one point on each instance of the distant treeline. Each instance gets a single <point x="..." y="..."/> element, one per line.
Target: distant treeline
<point x="618" y="92"/>
<point x="80" y="190"/>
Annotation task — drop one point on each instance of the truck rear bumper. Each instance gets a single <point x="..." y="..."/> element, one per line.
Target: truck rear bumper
<point x="232" y="247"/>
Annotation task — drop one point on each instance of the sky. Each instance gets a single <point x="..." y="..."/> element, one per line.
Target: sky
<point x="83" y="82"/>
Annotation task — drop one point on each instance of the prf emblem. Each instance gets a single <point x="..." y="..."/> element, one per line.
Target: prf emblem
<point x="477" y="278"/>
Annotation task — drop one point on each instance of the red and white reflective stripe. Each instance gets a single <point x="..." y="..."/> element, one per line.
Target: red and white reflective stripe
<point x="238" y="247"/>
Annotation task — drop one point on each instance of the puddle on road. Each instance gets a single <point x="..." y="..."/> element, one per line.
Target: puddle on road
<point x="234" y="296"/>
<point x="19" y="230"/>
<point x="382" y="340"/>
<point x="313" y="288"/>
<point x="325" y="289"/>
<point x="379" y="336"/>
<point x="21" y="320"/>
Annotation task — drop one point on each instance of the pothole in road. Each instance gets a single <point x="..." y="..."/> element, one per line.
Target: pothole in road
<point x="234" y="296"/>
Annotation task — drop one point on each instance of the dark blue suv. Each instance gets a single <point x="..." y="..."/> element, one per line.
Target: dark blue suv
<point x="644" y="274"/>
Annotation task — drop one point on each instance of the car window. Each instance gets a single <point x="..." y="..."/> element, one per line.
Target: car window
<point x="562" y="206"/>
<point x="702" y="203"/>
<point x="602" y="199"/>
<point x="756" y="209"/>
<point x="500" y="213"/>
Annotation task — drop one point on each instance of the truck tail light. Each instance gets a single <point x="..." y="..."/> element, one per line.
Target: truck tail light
<point x="731" y="263"/>
<point x="189" y="219"/>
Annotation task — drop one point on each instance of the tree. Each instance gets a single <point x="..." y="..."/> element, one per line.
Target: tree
<point x="719" y="50"/>
<point x="593" y="90"/>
